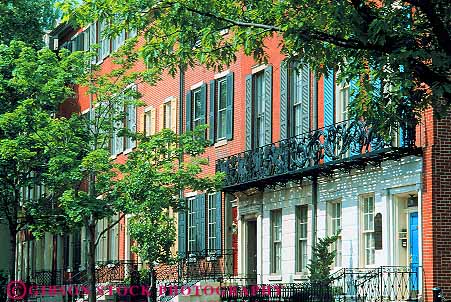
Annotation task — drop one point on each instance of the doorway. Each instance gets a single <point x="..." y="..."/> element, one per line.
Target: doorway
<point x="251" y="256"/>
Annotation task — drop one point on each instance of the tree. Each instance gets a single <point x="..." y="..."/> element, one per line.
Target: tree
<point x="32" y="85"/>
<point x="322" y="260"/>
<point x="397" y="52"/>
<point x="162" y="166"/>
<point x="26" y="20"/>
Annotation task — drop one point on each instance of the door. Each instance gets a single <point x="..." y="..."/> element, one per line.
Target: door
<point x="252" y="251"/>
<point x="413" y="250"/>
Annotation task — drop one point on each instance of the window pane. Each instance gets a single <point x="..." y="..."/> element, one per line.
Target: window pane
<point x="260" y="109"/>
<point x="276" y="240"/>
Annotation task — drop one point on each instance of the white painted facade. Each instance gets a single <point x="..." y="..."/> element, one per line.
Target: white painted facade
<point x="391" y="184"/>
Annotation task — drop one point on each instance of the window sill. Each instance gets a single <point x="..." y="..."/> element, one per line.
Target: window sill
<point x="300" y="276"/>
<point x="113" y="156"/>
<point x="221" y="143"/>
<point x="275" y="277"/>
<point x="128" y="151"/>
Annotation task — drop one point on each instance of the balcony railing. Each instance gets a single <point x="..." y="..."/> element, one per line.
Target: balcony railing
<point x="340" y="146"/>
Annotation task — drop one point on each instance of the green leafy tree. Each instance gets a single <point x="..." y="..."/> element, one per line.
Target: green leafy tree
<point x="163" y="165"/>
<point x="322" y="259"/>
<point x="26" y="20"/>
<point x="397" y="52"/>
<point x="32" y="85"/>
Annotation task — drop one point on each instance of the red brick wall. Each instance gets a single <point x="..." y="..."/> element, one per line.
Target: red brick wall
<point x="436" y="205"/>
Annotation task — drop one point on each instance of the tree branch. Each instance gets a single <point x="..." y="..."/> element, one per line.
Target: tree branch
<point x="107" y="229"/>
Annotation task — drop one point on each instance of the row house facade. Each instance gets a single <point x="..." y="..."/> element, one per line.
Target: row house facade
<point x="298" y="168"/>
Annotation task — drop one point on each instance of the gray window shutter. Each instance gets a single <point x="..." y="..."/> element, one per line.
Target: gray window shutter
<point x="249" y="112"/>
<point x="203" y="106"/>
<point x="131" y="125"/>
<point x="229" y="111"/>
<point x="218" y="220"/>
<point x="118" y="127"/>
<point x="200" y="206"/>
<point x="305" y="98"/>
<point x="268" y="104"/>
<point x="188" y="112"/>
<point x="182" y="233"/>
<point x="211" y="119"/>
<point x="283" y="100"/>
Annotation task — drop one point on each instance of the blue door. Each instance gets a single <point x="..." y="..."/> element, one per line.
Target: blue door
<point x="413" y="242"/>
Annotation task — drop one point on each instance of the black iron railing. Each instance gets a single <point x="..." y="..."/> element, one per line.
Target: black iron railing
<point x="48" y="277"/>
<point x="210" y="264"/>
<point x="339" y="146"/>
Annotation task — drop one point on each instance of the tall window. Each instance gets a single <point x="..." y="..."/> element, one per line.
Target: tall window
<point x="300" y="99"/>
<point x="259" y="103"/>
<point x="149" y="121"/>
<point x="335" y="228"/>
<point x="197" y="108"/>
<point x="342" y="99"/>
<point x="301" y="234"/>
<point x="276" y="238"/>
<point x="212" y="223"/>
<point x="221" y="96"/>
<point x="368" y="229"/>
<point x="192" y="226"/>
<point x="167" y="107"/>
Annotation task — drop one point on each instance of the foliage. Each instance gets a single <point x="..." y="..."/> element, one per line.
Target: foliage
<point x="398" y="53"/>
<point x="153" y="177"/>
<point x="322" y="260"/>
<point x="26" y="20"/>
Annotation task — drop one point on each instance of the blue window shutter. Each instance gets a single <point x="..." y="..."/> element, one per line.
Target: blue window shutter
<point x="305" y="106"/>
<point x="182" y="233"/>
<point x="268" y="104"/>
<point x="218" y="220"/>
<point x="188" y="115"/>
<point x="283" y="100"/>
<point x="211" y="119"/>
<point x="354" y="90"/>
<point x="229" y="110"/>
<point x="248" y="112"/>
<point x="329" y="98"/>
<point x="200" y="206"/>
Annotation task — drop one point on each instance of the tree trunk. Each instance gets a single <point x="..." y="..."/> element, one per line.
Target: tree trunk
<point x="92" y="261"/>
<point x="12" y="253"/>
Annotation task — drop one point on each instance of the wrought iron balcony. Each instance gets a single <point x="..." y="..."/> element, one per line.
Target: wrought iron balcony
<point x="340" y="146"/>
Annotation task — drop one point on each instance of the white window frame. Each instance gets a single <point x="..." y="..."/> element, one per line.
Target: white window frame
<point x="334" y="226"/>
<point x="301" y="238"/>
<point x="167" y="114"/>
<point x="149" y="128"/>
<point x="196" y="120"/>
<point x="276" y="241"/>
<point x="367" y="230"/>
<point x="192" y="226"/>
<point x="342" y="96"/>
<point x="221" y="111"/>
<point x="212" y="223"/>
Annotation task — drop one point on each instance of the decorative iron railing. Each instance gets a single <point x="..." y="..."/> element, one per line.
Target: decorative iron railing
<point x="115" y="271"/>
<point x="389" y="283"/>
<point x="48" y="277"/>
<point x="340" y="145"/>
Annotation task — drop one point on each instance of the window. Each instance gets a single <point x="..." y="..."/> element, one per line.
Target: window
<point x="119" y="143"/>
<point x="212" y="223"/>
<point x="149" y="121"/>
<point x="104" y="41"/>
<point x="342" y="100"/>
<point x="221" y="108"/>
<point x="258" y="108"/>
<point x="197" y="112"/>
<point x="196" y="102"/>
<point x="335" y="228"/>
<point x="167" y="115"/>
<point x="221" y="96"/>
<point x="192" y="225"/>
<point x="113" y="239"/>
<point x="368" y="229"/>
<point x="276" y="241"/>
<point x="118" y="41"/>
<point x="301" y="234"/>
<point x="300" y="99"/>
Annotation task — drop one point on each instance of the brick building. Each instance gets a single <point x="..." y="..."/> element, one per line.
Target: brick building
<point x="298" y="169"/>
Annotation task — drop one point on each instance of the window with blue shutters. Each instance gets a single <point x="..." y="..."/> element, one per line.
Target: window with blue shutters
<point x="294" y="99"/>
<point x="214" y="221"/>
<point x="259" y="108"/>
<point x="196" y="104"/>
<point x="192" y="225"/>
<point x="221" y="109"/>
